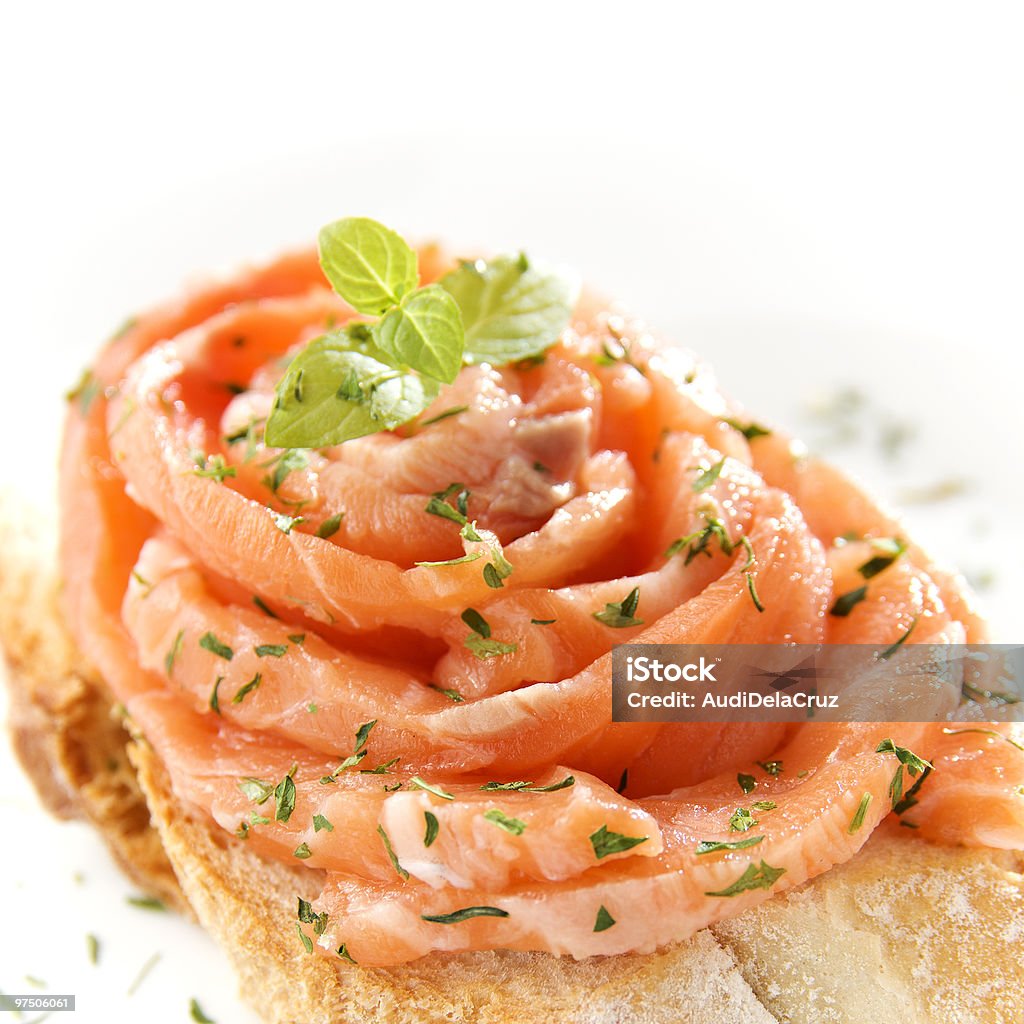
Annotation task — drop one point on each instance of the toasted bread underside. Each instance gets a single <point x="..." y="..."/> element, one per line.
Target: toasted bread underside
<point x="905" y="931"/>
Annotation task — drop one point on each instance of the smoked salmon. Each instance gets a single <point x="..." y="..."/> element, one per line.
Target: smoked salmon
<point x="312" y="643"/>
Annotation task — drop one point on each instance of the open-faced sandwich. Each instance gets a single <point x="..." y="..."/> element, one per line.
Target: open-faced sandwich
<point x="345" y="546"/>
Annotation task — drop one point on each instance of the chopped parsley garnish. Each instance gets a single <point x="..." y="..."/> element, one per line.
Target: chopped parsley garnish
<point x="889" y="549"/>
<point x="284" y="797"/>
<point x="604" y="920"/>
<point x="307" y="942"/>
<point x="343" y="954"/>
<point x="476" y="622"/>
<point x="606" y="843"/>
<point x="857" y="822"/>
<point x="440" y="504"/>
<point x="303" y="852"/>
<point x="491" y="577"/>
<point x="453" y="411"/>
<point x="174" y="653"/>
<point x="431" y="829"/>
<point x="569" y="780"/>
<point x="210" y="643"/>
<point x="297" y="638"/>
<point x="707" y="477"/>
<point x="762" y="876"/>
<point x="986" y="732"/>
<point x="391" y="853"/>
<point x="271" y="650"/>
<point x="623" y="782"/>
<point x="248" y="688"/>
<point x="242" y="832"/>
<point x="698" y="542"/>
<point x="623" y="613"/>
<point x="363" y="734"/>
<point x="329" y="527"/>
<point x="750" y="431"/>
<point x="381" y="769"/>
<point x="514" y="826"/>
<point x="741" y="820"/>
<point x="145" y="903"/>
<point x="285" y="464"/>
<point x="262" y="605"/>
<point x="543" y="622"/>
<point x="752" y="588"/>
<point x="452" y="695"/>
<point x="773" y="768"/>
<point x="709" y="846"/>
<point x="890" y="651"/>
<point x="84" y="392"/>
<point x="196" y="1013"/>
<point x="472" y="556"/>
<point x="92" y="945"/>
<point x="307" y="915"/>
<point x="256" y="790"/>
<point x="764" y="805"/>
<point x="479" y="641"/>
<point x="908" y="758"/>
<point x="910" y="797"/>
<point x="430" y="788"/>
<point x="285" y="523"/>
<point x="514" y="787"/>
<point x="458" y="916"/>
<point x="215" y="696"/>
<point x="321" y="824"/>
<point x="747" y="782"/>
<point x="212" y="467"/>
<point x="845" y="603"/>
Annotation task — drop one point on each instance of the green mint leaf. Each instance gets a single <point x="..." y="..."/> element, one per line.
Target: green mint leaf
<point x="344" y="394"/>
<point x="762" y="876"/>
<point x="510" y="309"/>
<point x="369" y="266"/>
<point x="606" y="843"/>
<point x="457" y="916"/>
<point x="514" y="826"/>
<point x="741" y="844"/>
<point x="424" y="333"/>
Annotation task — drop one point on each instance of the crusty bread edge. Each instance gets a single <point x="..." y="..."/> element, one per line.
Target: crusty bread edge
<point x="837" y="950"/>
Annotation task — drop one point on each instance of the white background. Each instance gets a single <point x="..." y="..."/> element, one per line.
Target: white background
<point x="814" y="195"/>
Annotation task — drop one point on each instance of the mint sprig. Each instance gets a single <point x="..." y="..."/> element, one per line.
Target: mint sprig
<point x="372" y="376"/>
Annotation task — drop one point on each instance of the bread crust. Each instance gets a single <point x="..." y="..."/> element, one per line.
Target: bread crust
<point x="905" y="931"/>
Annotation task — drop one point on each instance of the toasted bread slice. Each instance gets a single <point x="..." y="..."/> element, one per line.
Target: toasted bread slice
<point x="906" y="930"/>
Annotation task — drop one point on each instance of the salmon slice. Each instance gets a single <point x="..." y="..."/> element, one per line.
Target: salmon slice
<point x="257" y="611"/>
<point x="817" y="821"/>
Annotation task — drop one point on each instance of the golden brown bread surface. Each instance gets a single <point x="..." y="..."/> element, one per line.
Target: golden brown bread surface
<point x="906" y="931"/>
